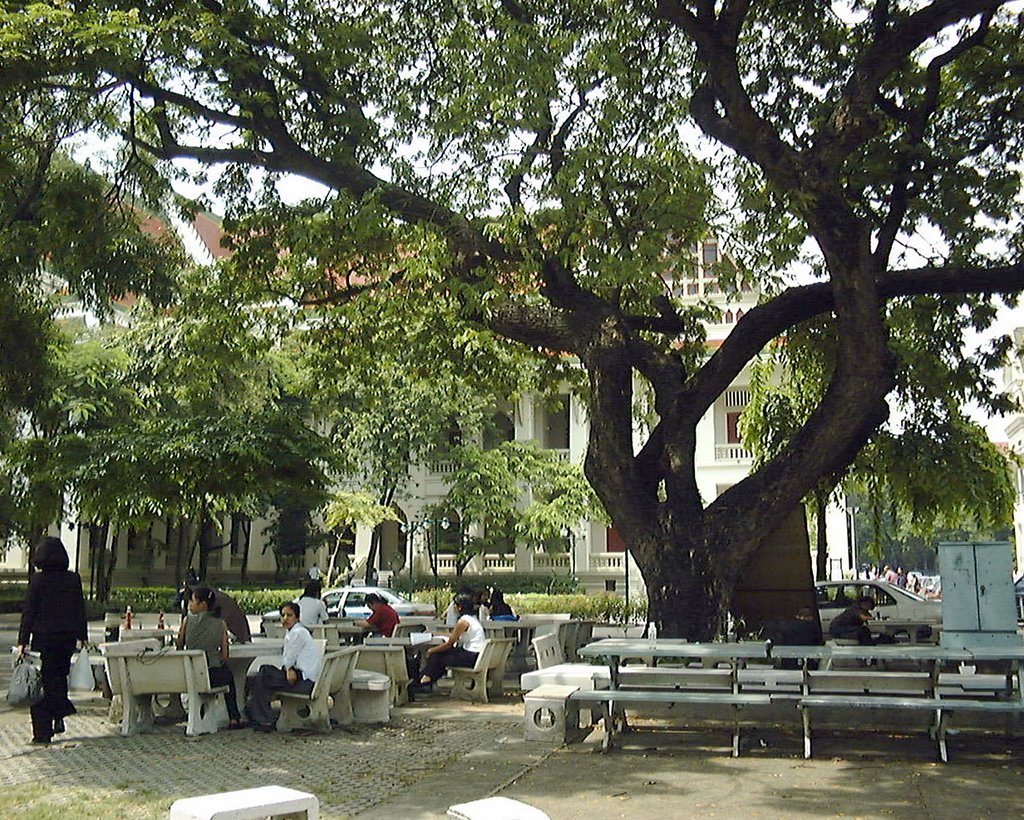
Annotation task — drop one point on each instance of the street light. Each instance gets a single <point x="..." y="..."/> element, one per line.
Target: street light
<point x="851" y="541"/>
<point x="430" y="526"/>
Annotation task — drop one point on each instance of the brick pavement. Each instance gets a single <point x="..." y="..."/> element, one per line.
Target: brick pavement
<point x="350" y="770"/>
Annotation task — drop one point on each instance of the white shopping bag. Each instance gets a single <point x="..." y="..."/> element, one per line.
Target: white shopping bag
<point x="81" y="679"/>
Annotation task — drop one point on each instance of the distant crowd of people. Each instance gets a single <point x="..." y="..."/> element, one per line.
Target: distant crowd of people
<point x="916" y="582"/>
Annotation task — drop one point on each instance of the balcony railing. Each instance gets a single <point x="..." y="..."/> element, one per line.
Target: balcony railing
<point x="544" y="560"/>
<point x="732" y="452"/>
<point x="499" y="563"/>
<point x="608" y="560"/>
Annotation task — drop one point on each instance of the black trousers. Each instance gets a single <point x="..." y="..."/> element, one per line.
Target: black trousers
<point x="56" y="655"/>
<point x="268" y="680"/>
<point x="440" y="662"/>
<point x="221" y="676"/>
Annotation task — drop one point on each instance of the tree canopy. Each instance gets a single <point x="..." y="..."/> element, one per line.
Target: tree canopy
<point x="536" y="163"/>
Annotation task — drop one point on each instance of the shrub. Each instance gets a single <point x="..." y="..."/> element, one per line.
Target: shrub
<point x="507" y="583"/>
<point x="153" y="599"/>
<point x="604" y="608"/>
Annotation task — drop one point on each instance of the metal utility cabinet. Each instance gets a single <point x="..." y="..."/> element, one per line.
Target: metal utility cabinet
<point x="977" y="594"/>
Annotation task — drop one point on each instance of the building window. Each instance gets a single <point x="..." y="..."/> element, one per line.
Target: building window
<point x="710" y="253"/>
<point x="556" y="425"/>
<point x="499" y="430"/>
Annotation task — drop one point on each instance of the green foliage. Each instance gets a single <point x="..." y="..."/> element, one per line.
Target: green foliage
<point x="604" y="607"/>
<point x="154" y="599"/>
<point x="506" y="582"/>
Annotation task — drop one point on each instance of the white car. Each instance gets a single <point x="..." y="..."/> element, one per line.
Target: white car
<point x="891" y="603"/>
<point x="350" y="602"/>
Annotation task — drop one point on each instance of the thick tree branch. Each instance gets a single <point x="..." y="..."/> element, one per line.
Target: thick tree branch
<point x="768" y="321"/>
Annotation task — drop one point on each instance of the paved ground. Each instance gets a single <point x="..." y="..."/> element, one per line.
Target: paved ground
<point x="436" y="753"/>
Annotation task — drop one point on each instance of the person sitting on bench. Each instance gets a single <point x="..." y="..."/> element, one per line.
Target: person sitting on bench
<point x="462" y="647"/>
<point x="852" y="624"/>
<point x="300" y="666"/>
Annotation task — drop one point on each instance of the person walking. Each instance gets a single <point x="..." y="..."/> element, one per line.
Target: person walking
<point x="52" y="622"/>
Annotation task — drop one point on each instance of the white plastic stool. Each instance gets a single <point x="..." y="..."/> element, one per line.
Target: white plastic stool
<point x="248" y="804"/>
<point x="496" y="808"/>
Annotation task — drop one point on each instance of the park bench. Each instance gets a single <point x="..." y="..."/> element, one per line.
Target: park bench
<point x="552" y="668"/>
<point x="390" y="661"/>
<point x="114" y="675"/>
<point x="470" y="683"/>
<point x="248" y="804"/>
<point x="143" y="675"/>
<point x="495" y="808"/>
<point x="497" y="665"/>
<point x="312" y="711"/>
<point x="371" y="696"/>
<point x="613" y="703"/>
<point x="901" y="691"/>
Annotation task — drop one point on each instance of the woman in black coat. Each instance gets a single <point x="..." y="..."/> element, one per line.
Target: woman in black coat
<point x="52" y="622"/>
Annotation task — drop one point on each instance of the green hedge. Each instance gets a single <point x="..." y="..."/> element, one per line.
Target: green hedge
<point x="153" y="599"/>
<point x="507" y="583"/>
<point x="604" y="608"/>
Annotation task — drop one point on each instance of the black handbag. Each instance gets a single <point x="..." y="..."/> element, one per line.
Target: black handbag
<point x="26" y="687"/>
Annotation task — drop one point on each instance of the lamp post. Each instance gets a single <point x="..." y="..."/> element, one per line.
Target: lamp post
<point x="430" y="527"/>
<point x="851" y="540"/>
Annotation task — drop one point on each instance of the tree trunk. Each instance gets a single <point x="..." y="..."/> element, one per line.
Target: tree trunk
<point x="98" y="551"/>
<point x="112" y="562"/>
<point x="205" y="542"/>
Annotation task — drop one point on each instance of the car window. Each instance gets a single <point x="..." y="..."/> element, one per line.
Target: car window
<point x="883" y="598"/>
<point x="391" y="597"/>
<point x="355" y="599"/>
<point x="332" y="598"/>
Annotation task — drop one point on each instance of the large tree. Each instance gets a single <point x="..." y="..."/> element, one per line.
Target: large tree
<point x="533" y="160"/>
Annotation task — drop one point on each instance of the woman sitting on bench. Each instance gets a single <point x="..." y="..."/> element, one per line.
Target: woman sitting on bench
<point x="204" y="629"/>
<point x="462" y="647"/>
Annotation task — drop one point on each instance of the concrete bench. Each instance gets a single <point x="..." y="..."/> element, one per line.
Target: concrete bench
<point x="495" y="808"/>
<point x="497" y="665"/>
<point x="313" y="710"/>
<point x="471" y="683"/>
<point x="111" y="652"/>
<point x="371" y="697"/>
<point x="248" y="804"/>
<point x="681" y="677"/>
<point x="390" y="661"/>
<point x="549" y="716"/>
<point x="939" y="707"/>
<point x="169" y="672"/>
<point x="614" y="701"/>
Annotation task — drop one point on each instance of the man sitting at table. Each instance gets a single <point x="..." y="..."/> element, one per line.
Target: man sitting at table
<point x="383" y="618"/>
<point x="852" y="624"/>
<point x="301" y="661"/>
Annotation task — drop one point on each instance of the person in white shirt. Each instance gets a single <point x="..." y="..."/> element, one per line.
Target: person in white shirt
<point x="463" y="645"/>
<point x="312" y="610"/>
<point x="301" y="660"/>
<point x="314" y="573"/>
